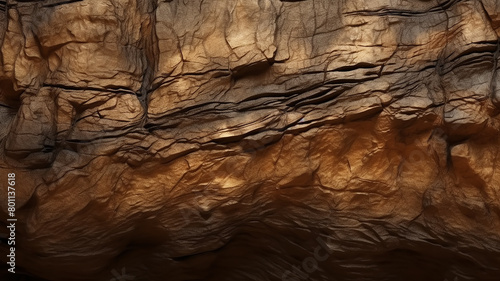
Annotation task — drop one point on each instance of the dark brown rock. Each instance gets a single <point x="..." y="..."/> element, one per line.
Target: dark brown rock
<point x="252" y="140"/>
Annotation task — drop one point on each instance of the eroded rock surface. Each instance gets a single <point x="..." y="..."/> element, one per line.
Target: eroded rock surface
<point x="252" y="139"/>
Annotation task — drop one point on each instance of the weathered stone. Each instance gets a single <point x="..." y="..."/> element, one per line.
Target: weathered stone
<point x="252" y="140"/>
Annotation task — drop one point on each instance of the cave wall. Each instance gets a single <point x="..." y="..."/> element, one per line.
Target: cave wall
<point x="252" y="139"/>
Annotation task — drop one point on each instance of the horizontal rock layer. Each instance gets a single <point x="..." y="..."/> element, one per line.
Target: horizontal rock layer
<point x="252" y="140"/>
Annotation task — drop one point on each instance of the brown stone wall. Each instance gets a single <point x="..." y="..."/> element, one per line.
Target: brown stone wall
<point x="251" y="139"/>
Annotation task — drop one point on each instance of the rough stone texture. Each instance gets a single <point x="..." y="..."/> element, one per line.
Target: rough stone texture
<point x="252" y="139"/>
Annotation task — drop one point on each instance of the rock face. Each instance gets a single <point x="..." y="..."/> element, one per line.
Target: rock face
<point x="252" y="139"/>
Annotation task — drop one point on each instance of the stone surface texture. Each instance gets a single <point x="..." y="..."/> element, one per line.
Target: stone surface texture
<point x="252" y="139"/>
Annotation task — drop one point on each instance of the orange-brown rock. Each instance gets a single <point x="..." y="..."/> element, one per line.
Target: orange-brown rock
<point x="251" y="139"/>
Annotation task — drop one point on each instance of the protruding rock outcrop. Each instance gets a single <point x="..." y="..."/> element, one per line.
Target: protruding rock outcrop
<point x="252" y="139"/>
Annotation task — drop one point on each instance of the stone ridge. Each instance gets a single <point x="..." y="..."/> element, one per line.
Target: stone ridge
<point x="252" y="139"/>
